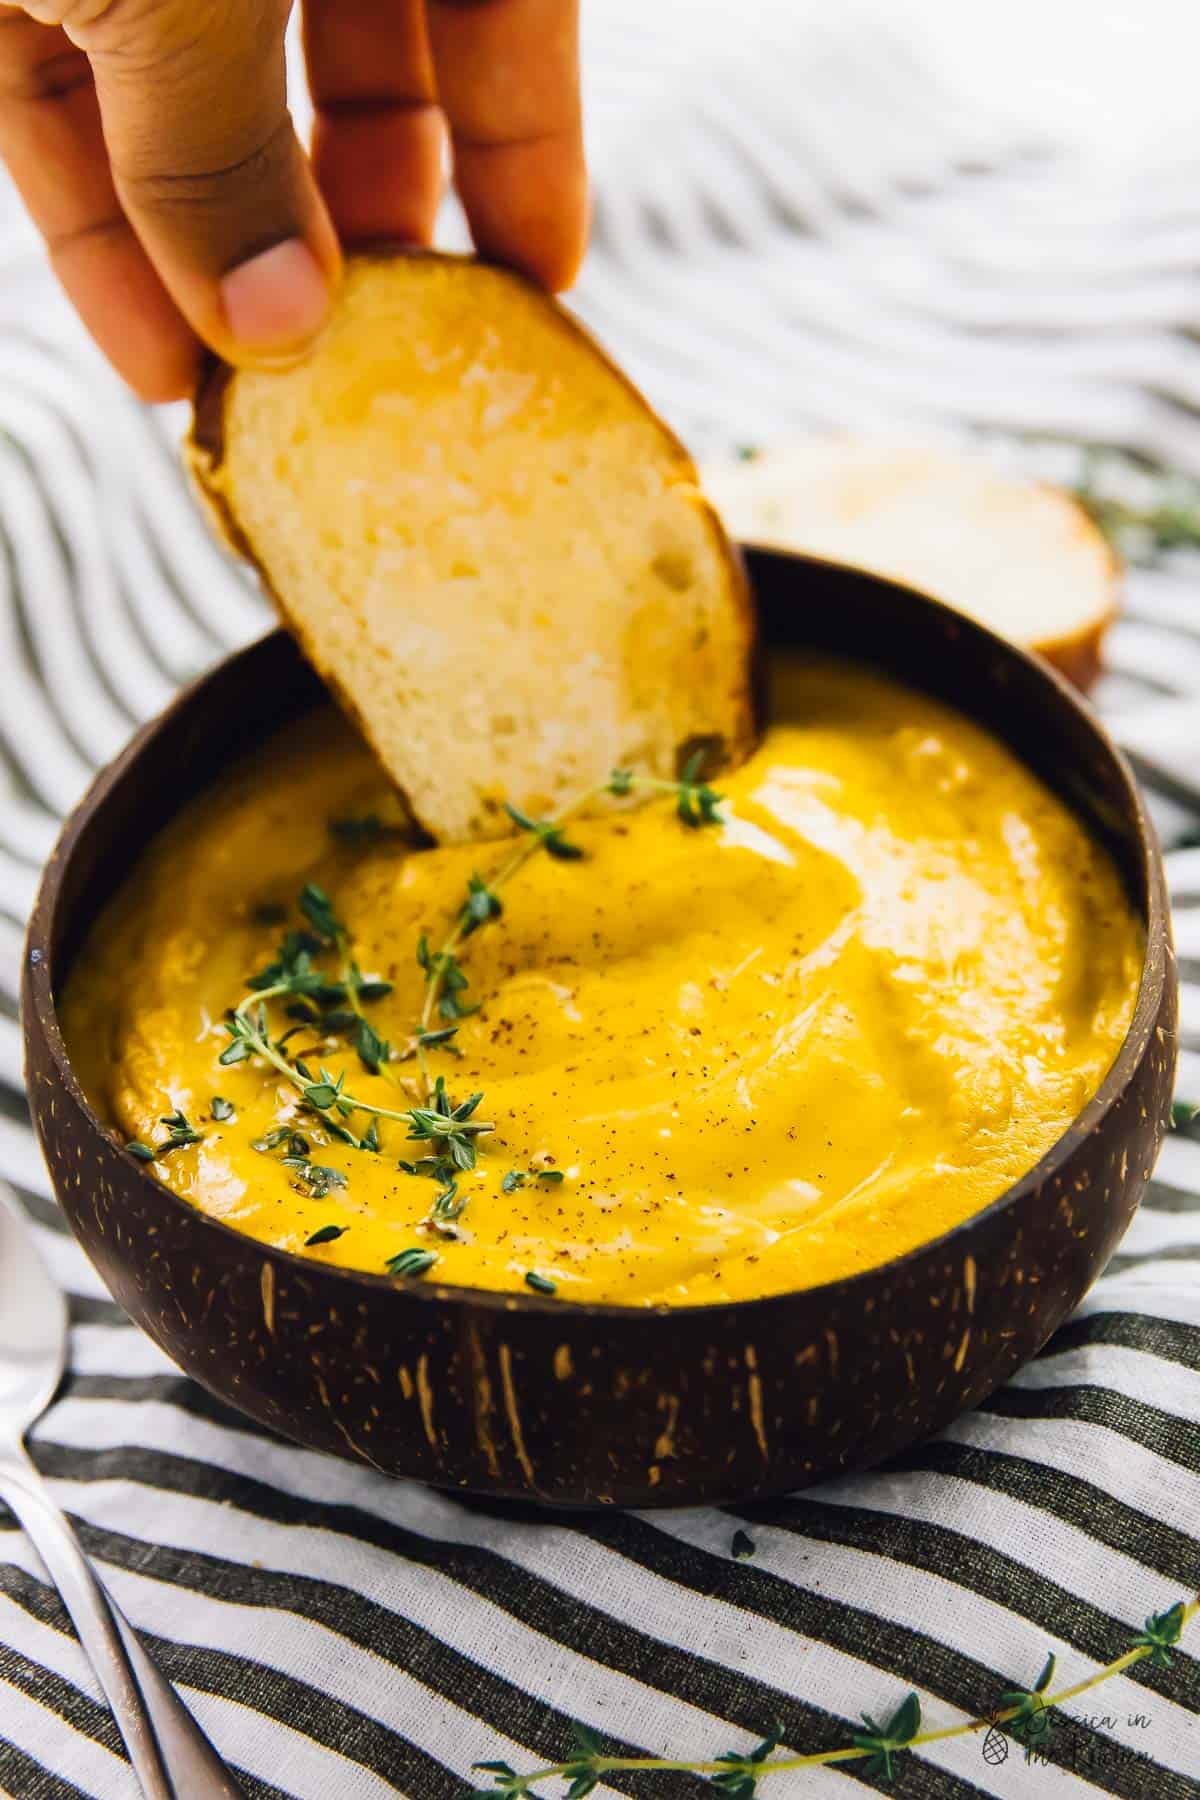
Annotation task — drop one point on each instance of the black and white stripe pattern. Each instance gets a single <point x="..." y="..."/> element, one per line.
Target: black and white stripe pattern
<point x="762" y="268"/>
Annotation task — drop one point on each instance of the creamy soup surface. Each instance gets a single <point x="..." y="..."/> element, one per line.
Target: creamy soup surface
<point x="761" y="1054"/>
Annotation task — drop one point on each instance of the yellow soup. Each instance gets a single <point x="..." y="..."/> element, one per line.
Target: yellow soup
<point x="725" y="1061"/>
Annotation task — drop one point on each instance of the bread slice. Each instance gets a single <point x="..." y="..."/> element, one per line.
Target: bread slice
<point x="1022" y="557"/>
<point x="485" y="541"/>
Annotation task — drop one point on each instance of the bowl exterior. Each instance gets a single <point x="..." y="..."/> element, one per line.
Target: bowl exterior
<point x="568" y="1405"/>
<point x="532" y="1399"/>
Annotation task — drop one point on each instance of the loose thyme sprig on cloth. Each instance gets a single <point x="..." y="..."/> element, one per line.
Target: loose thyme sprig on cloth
<point x="1024" y="1712"/>
<point x="450" y="1128"/>
<point x="1166" y="516"/>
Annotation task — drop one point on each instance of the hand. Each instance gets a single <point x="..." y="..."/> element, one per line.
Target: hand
<point x="152" y="144"/>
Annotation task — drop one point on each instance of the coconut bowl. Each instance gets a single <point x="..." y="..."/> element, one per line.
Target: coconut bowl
<point x="523" y="1397"/>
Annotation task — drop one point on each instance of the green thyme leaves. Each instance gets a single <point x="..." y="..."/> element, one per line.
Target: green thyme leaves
<point x="293" y="971"/>
<point x="325" y="1235"/>
<point x="482" y="904"/>
<point x="444" y="976"/>
<point x="366" y="988"/>
<point x="541" y="1284"/>
<point x="247" y="1033"/>
<point x="448" y="1203"/>
<point x="549" y="834"/>
<point x="1031" y="1722"/>
<point x="884" y="1742"/>
<point x="518" y="1177"/>
<point x="422" y="1040"/>
<point x="410" y="1263"/>
<point x="438" y="1168"/>
<point x="271" y="1140"/>
<point x="181" y="1134"/>
<point x="740" y="1781"/>
<point x="373" y="1051"/>
<point x="1168" y="518"/>
<point x="582" y="1773"/>
<point x="509" y="1785"/>
<point x="221" y="1108"/>
<point x="1161" y="1633"/>
<point x="315" y="1178"/>
<point x="452" y="1129"/>
<point x="317" y="908"/>
<point x="697" y="804"/>
<point x="873" y="1753"/>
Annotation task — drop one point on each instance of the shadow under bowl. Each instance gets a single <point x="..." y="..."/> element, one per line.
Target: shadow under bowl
<point x="518" y="1396"/>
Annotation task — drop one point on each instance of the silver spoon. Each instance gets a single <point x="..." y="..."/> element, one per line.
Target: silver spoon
<point x="170" y="1754"/>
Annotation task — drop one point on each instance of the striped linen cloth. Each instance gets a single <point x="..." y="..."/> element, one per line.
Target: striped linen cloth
<point x="342" y="1637"/>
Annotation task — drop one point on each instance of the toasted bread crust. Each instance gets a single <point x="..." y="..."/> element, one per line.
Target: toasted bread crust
<point x="1081" y="658"/>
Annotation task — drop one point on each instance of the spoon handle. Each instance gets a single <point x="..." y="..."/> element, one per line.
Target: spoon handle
<point x="171" y="1756"/>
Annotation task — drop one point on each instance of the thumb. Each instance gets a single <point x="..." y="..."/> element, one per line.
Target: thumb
<point x="208" y="167"/>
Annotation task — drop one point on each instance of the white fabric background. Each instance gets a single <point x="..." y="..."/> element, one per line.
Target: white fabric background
<point x="912" y="217"/>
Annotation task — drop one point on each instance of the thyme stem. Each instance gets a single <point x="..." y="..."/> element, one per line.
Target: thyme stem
<point x="450" y="1127"/>
<point x="598" y="1764"/>
<point x="504" y="874"/>
<point x="261" y="1045"/>
<point x="623" y="783"/>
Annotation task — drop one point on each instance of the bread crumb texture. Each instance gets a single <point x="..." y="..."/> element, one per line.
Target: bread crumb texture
<point x="488" y="544"/>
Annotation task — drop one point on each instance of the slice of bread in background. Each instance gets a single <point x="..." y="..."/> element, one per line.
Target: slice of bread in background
<point x="1022" y="557"/>
<point x="485" y="541"/>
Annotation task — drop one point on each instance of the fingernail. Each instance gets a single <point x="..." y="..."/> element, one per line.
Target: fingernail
<point x="278" y="299"/>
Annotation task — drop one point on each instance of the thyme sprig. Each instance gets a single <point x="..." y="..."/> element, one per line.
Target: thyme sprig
<point x="412" y="1262"/>
<point x="445" y="980"/>
<point x="518" y="1177"/>
<point x="334" y="1006"/>
<point x="736" y="1774"/>
<point x="325" y="1093"/>
<point x="451" y="1129"/>
<point x="1032" y="1721"/>
<point x="325" y="1234"/>
<point x="181" y="1134"/>
<point x="316" y="1180"/>
<point x="1169" y="519"/>
<point x="1162" y="1632"/>
<point x="331" y="1006"/>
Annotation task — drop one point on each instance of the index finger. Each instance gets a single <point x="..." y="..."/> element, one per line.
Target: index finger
<point x="508" y="82"/>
